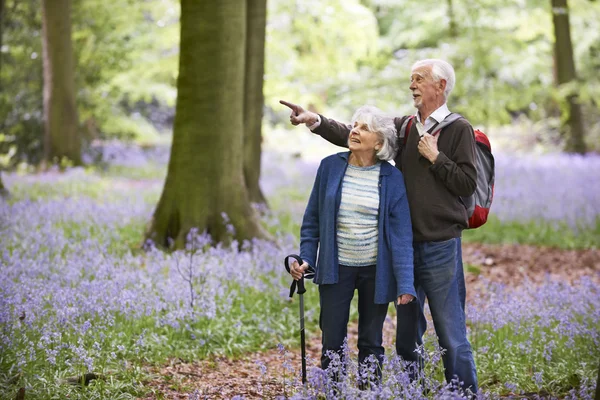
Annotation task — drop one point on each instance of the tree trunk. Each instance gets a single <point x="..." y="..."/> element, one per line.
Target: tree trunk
<point x="1" y="31"/>
<point x="205" y="173"/>
<point x="565" y="72"/>
<point x="453" y="28"/>
<point x="60" y="111"/>
<point x="253" y="96"/>
<point x="3" y="190"/>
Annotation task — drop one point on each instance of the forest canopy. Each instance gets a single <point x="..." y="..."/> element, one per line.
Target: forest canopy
<point x="332" y="55"/>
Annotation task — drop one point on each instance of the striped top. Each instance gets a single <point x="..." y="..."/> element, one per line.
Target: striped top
<point x="358" y="215"/>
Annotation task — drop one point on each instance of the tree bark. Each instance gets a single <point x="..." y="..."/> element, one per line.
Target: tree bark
<point x="573" y="129"/>
<point x="61" y="137"/>
<point x="205" y="173"/>
<point x="453" y="28"/>
<point x="1" y="31"/>
<point x="253" y="96"/>
<point x="3" y="190"/>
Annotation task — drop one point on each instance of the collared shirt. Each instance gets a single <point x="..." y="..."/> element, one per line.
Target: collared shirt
<point x="436" y="117"/>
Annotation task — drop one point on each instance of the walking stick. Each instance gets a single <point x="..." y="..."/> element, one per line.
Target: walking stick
<point x="301" y="290"/>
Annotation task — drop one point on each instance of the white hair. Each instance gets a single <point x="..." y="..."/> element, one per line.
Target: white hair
<point x="383" y="125"/>
<point x="440" y="69"/>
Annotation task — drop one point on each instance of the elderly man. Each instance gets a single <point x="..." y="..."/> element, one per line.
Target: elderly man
<point x="437" y="171"/>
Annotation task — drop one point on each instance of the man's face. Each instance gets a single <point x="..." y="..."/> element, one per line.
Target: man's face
<point x="425" y="90"/>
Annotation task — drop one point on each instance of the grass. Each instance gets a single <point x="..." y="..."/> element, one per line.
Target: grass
<point x="537" y="233"/>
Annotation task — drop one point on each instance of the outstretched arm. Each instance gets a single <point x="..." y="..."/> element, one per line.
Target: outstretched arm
<point x="329" y="129"/>
<point x="299" y="115"/>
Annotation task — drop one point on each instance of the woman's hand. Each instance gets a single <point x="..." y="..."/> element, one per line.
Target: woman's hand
<point x="297" y="270"/>
<point x="405" y="298"/>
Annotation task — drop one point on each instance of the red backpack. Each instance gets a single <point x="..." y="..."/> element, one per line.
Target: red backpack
<point x="479" y="203"/>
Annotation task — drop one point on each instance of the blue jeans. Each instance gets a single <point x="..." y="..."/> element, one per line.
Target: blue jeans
<point x="439" y="277"/>
<point x="335" y="309"/>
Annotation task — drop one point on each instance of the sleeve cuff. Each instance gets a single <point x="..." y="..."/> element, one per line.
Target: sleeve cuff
<point x="316" y="124"/>
<point x="407" y="290"/>
<point x="439" y="161"/>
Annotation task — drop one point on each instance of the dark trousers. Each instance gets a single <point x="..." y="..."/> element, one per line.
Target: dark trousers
<point x="335" y="310"/>
<point x="439" y="277"/>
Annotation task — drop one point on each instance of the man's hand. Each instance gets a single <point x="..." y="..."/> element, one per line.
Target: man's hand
<point x="299" y="115"/>
<point x="428" y="147"/>
<point x="405" y="298"/>
<point x="297" y="270"/>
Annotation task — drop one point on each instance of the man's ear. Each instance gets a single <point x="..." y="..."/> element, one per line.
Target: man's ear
<point x="442" y="85"/>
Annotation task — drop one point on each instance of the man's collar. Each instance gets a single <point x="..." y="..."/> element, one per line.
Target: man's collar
<point x="438" y="115"/>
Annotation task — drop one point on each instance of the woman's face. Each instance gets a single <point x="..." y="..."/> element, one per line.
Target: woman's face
<point x="362" y="140"/>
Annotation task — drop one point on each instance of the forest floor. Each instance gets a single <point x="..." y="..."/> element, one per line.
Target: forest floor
<point x="223" y="378"/>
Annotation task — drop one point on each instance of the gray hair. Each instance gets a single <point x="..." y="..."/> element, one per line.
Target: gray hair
<point x="440" y="69"/>
<point x="381" y="124"/>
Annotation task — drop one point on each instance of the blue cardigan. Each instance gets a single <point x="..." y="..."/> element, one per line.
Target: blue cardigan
<point x="394" y="274"/>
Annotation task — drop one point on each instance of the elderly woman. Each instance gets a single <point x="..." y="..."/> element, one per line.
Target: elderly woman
<point x="357" y="218"/>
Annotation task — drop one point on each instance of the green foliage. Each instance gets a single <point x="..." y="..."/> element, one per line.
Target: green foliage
<point x="331" y="56"/>
<point x="20" y="82"/>
<point x="130" y="64"/>
<point x="312" y="43"/>
<point x="503" y="57"/>
<point x="126" y="66"/>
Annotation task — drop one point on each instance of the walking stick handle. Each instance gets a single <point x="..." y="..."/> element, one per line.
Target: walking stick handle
<point x="299" y="283"/>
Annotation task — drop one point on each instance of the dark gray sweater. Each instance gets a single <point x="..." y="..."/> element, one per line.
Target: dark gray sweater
<point x="433" y="190"/>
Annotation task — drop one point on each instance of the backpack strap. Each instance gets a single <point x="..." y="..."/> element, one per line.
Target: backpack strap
<point x="405" y="129"/>
<point x="447" y="121"/>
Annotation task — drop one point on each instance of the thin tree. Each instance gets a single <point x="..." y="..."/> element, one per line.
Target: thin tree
<point x="253" y="96"/>
<point x="61" y="136"/>
<point x="205" y="177"/>
<point x="573" y="129"/>
<point x="3" y="190"/>
<point x="452" y="27"/>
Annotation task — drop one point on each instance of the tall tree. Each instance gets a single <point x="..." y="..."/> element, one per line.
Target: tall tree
<point x="565" y="73"/>
<point x="60" y="112"/>
<point x="452" y="28"/>
<point x="253" y="95"/>
<point x="3" y="191"/>
<point x="205" y="173"/>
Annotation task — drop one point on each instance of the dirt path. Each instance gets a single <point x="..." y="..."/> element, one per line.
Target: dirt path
<point x="224" y="378"/>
